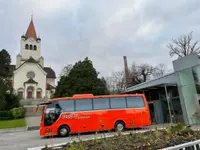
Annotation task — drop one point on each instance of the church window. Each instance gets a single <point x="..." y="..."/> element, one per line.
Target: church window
<point x="30" y="75"/>
<point x="26" y="46"/>
<point x="35" y="47"/>
<point x="31" y="47"/>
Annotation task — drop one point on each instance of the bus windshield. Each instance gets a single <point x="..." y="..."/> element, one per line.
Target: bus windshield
<point x="52" y="113"/>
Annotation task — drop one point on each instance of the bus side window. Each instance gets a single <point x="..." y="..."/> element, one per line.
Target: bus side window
<point x="101" y="103"/>
<point x="67" y="105"/>
<point x="83" y="105"/>
<point x="118" y="102"/>
<point x="135" y="102"/>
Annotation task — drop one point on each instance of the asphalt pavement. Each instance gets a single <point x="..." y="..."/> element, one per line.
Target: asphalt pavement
<point x="30" y="139"/>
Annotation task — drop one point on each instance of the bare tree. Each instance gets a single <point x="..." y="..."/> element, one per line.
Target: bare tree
<point x="66" y="70"/>
<point x="141" y="73"/>
<point x="183" y="46"/>
<point x="160" y="70"/>
<point x="116" y="82"/>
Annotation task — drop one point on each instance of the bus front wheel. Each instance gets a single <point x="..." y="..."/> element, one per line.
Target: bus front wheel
<point x="63" y="131"/>
<point x="119" y="126"/>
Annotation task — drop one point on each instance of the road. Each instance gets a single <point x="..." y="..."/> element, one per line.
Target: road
<point x="29" y="139"/>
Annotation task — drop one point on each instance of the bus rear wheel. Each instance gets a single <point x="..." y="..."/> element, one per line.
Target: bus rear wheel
<point x="119" y="126"/>
<point x="63" y="131"/>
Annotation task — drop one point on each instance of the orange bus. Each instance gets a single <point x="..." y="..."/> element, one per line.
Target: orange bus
<point x="89" y="113"/>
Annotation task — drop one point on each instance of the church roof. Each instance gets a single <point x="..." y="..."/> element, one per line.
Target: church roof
<point x="49" y="86"/>
<point x="31" y="81"/>
<point x="31" y="60"/>
<point x="31" y="31"/>
<point x="50" y="72"/>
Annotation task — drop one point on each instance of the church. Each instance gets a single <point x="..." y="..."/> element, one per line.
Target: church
<point x="31" y="79"/>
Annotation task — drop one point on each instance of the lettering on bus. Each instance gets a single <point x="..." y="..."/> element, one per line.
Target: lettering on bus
<point x="74" y="116"/>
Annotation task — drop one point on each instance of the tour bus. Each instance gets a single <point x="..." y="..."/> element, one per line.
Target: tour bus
<point x="88" y="113"/>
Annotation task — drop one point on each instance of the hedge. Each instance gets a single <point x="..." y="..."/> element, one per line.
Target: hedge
<point x="6" y="115"/>
<point x="18" y="112"/>
<point x="14" y="113"/>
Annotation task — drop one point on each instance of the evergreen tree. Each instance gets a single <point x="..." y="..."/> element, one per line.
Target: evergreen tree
<point x="82" y="79"/>
<point x="7" y="99"/>
<point x="5" y="60"/>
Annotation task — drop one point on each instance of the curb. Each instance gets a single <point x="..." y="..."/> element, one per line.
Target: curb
<point x="20" y="129"/>
<point x="11" y="130"/>
<point x="30" y="128"/>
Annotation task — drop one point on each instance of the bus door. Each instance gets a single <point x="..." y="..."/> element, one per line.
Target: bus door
<point x="85" y="116"/>
<point x="139" y="110"/>
<point x="42" y="107"/>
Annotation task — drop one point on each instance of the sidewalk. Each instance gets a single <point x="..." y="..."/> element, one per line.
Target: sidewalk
<point x="11" y="130"/>
<point x="33" y="122"/>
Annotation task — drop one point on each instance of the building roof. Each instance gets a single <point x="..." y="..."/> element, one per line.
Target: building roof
<point x="164" y="80"/>
<point x="50" y="72"/>
<point x="49" y="86"/>
<point x="31" y="60"/>
<point x="31" y="31"/>
<point x="31" y="81"/>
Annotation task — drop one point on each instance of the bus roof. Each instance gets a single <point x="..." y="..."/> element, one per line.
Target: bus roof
<point x="84" y="96"/>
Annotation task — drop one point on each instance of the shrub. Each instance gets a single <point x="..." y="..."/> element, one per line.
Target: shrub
<point x="12" y="101"/>
<point x="6" y="115"/>
<point x="18" y="112"/>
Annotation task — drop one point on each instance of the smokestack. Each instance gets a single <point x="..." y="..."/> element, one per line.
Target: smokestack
<point x="126" y="72"/>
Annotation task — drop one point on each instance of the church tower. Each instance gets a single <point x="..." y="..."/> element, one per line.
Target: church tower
<point x="31" y="79"/>
<point x="30" y="46"/>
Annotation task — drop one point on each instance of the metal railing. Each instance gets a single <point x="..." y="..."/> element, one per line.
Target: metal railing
<point x="194" y="145"/>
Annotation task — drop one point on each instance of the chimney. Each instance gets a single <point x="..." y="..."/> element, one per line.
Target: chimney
<point x="126" y="70"/>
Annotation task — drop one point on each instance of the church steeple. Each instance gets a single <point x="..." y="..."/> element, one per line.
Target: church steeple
<point x="31" y="30"/>
<point x="30" y="44"/>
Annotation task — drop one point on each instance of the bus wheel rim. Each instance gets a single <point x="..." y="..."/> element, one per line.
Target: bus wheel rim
<point x="63" y="131"/>
<point x="120" y="127"/>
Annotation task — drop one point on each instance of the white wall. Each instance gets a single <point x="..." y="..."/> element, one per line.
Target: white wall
<point x="18" y="61"/>
<point x="20" y="76"/>
<point x="51" y="81"/>
<point x="26" y="53"/>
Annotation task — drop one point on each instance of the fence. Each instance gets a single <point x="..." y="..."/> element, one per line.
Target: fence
<point x="194" y="145"/>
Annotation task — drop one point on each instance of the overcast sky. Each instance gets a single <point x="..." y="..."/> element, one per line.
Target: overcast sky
<point x="103" y="30"/>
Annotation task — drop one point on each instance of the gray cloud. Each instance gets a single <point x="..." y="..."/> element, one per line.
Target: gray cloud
<point x="103" y="30"/>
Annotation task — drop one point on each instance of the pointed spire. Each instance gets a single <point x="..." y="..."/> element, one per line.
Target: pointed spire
<point x="31" y="30"/>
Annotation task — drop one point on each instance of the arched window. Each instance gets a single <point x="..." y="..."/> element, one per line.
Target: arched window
<point x="39" y="93"/>
<point x="35" y="47"/>
<point x="26" y="46"/>
<point x="31" y="47"/>
<point x="30" y="91"/>
<point x="20" y="92"/>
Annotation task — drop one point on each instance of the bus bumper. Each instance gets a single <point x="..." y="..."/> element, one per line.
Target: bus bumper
<point x="47" y="131"/>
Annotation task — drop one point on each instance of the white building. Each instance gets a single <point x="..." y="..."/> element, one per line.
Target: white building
<point x="31" y="80"/>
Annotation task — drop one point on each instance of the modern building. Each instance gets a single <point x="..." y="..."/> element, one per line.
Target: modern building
<point x="31" y="79"/>
<point x="175" y="96"/>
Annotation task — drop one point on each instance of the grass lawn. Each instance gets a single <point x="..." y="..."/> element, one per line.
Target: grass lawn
<point x="4" y="124"/>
